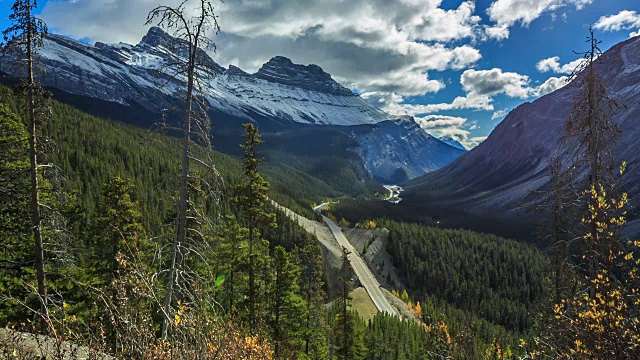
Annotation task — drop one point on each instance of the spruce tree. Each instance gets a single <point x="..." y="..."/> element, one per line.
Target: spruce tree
<point x="118" y="237"/>
<point x="288" y="308"/>
<point x="118" y="229"/>
<point x="311" y="284"/>
<point x="350" y="342"/>
<point x="251" y="197"/>
<point x="23" y="38"/>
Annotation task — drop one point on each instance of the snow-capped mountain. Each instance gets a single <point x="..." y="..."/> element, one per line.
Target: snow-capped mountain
<point x="128" y="74"/>
<point x="499" y="174"/>
<point x="281" y="93"/>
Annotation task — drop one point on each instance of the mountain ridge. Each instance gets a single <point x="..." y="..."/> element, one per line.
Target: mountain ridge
<point x="280" y="95"/>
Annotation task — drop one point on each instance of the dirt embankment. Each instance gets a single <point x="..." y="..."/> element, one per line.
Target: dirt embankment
<point x="372" y="245"/>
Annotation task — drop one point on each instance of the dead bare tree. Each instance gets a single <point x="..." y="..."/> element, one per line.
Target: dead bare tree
<point x="590" y="133"/>
<point x="189" y="23"/>
<point x="25" y="36"/>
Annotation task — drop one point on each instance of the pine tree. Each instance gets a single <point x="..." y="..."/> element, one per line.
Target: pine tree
<point x="117" y="229"/>
<point x="350" y="342"/>
<point x="288" y="308"/>
<point x="24" y="37"/>
<point x="118" y="238"/>
<point x="251" y="197"/>
<point x="311" y="283"/>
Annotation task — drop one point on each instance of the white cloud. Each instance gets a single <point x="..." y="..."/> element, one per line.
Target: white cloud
<point x="497" y="32"/>
<point x="434" y="122"/>
<point x="370" y="45"/>
<point x="553" y="64"/>
<point x="450" y="126"/>
<point x="624" y="20"/>
<point x="473" y="125"/>
<point x="552" y="84"/>
<point x="495" y="81"/>
<point x="500" y="114"/>
<point x="394" y="104"/>
<point x="506" y="13"/>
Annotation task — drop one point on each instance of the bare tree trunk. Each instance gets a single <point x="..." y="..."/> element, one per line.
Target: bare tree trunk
<point x="252" y="279"/>
<point x="35" y="192"/>
<point x="593" y="175"/>
<point x="181" y="219"/>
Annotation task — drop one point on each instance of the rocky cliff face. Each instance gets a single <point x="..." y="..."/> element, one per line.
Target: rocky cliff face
<point x="393" y="160"/>
<point x="311" y="77"/>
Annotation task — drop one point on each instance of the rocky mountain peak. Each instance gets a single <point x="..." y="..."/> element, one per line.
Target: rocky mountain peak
<point x="234" y="70"/>
<point x="310" y="77"/>
<point x="157" y="37"/>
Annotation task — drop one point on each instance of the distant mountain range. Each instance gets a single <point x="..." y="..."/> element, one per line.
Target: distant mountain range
<point x="128" y="83"/>
<point x="498" y="175"/>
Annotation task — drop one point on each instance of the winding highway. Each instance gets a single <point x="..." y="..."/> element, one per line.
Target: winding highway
<point x="359" y="266"/>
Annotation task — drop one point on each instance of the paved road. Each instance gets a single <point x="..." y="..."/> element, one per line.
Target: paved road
<point x="361" y="269"/>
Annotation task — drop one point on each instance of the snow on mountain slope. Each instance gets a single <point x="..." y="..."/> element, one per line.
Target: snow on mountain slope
<point x="499" y="174"/>
<point x="129" y="74"/>
<point x="280" y="95"/>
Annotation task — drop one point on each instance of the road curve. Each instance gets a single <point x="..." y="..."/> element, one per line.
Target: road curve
<point x="361" y="269"/>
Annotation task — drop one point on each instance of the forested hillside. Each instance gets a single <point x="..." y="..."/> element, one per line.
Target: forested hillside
<point x="111" y="193"/>
<point x="498" y="279"/>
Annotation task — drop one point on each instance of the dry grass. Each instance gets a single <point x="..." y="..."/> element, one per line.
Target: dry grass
<point x="361" y="302"/>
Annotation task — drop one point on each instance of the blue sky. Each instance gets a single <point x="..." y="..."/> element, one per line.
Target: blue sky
<point x="456" y="66"/>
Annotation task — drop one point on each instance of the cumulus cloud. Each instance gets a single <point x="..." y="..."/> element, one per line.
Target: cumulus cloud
<point x="495" y="81"/>
<point x="624" y="20"/>
<point x="479" y="85"/>
<point x="450" y="126"/>
<point x="552" y="84"/>
<point x="394" y="104"/>
<point x="369" y="45"/>
<point x="435" y="122"/>
<point x="506" y="13"/>
<point x="553" y="64"/>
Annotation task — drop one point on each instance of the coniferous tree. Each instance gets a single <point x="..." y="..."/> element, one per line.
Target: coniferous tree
<point x="558" y="227"/>
<point x="598" y="320"/>
<point x="349" y="337"/>
<point x="233" y="262"/>
<point x="288" y="307"/>
<point x="24" y="38"/>
<point x="311" y="283"/>
<point x="119" y="238"/>
<point x="117" y="229"/>
<point x="251" y="197"/>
